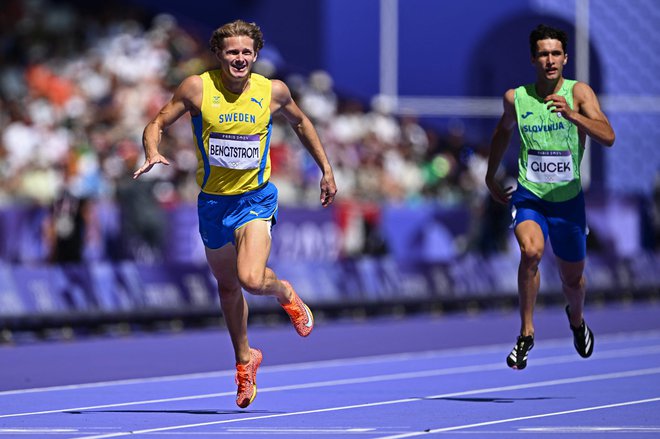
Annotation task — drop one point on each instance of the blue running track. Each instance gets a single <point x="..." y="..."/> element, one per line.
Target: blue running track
<point x="379" y="378"/>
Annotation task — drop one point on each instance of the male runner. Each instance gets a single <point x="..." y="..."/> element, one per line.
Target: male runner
<point x="231" y="110"/>
<point x="554" y="115"/>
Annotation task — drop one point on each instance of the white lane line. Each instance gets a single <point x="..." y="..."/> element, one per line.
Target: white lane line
<point x="277" y="430"/>
<point x="44" y="430"/>
<point x="564" y="381"/>
<point x="588" y="429"/>
<point x="520" y="418"/>
<point x="191" y="376"/>
<point x="559" y="359"/>
<point x="313" y="365"/>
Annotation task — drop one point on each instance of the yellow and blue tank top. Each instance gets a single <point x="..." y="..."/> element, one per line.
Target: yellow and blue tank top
<point x="550" y="152"/>
<point x="232" y="134"/>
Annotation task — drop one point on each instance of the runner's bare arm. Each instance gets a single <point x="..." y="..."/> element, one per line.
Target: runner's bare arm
<point x="498" y="146"/>
<point x="187" y="98"/>
<point x="586" y="114"/>
<point x="283" y="102"/>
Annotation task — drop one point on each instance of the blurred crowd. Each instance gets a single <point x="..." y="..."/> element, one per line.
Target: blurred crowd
<point x="77" y="89"/>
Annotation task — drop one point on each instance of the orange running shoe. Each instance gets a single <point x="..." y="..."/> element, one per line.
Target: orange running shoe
<point x="299" y="313"/>
<point x="246" y="379"/>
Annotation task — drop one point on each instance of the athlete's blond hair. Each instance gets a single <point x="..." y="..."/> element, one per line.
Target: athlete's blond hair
<point x="237" y="28"/>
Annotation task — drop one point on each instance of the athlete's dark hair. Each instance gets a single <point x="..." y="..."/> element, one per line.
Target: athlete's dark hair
<point x="543" y="32"/>
<point x="236" y="29"/>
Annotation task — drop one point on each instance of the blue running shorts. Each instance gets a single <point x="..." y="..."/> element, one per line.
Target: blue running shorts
<point x="564" y="222"/>
<point x="221" y="215"/>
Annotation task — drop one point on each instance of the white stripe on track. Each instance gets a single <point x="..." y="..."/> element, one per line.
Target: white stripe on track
<point x="559" y="359"/>
<point x="520" y="418"/>
<point x="606" y="376"/>
<point x="373" y="359"/>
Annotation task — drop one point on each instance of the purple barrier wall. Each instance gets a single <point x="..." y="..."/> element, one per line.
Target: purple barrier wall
<point x="414" y="234"/>
<point x="129" y="287"/>
<point x="423" y="264"/>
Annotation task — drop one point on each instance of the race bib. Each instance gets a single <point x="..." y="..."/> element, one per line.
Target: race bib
<point x="234" y="151"/>
<point x="549" y="166"/>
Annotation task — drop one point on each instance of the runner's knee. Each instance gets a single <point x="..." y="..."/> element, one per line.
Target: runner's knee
<point x="531" y="254"/>
<point x="573" y="281"/>
<point x="252" y="282"/>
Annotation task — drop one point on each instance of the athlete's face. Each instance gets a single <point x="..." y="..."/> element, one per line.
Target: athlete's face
<point x="549" y="60"/>
<point x="237" y="56"/>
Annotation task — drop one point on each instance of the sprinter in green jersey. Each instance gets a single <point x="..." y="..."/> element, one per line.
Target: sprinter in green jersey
<point x="554" y="115"/>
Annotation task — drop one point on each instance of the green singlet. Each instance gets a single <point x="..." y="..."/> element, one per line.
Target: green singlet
<point x="550" y="152"/>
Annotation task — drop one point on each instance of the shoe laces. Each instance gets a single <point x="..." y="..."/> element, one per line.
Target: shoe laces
<point x="299" y="313"/>
<point x="295" y="309"/>
<point x="522" y="342"/>
<point x="243" y="376"/>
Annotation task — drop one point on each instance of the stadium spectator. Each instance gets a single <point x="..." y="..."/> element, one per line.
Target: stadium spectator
<point x="110" y="73"/>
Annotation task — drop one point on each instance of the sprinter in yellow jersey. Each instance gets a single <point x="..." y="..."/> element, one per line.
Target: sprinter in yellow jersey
<point x="231" y="110"/>
<point x="554" y="115"/>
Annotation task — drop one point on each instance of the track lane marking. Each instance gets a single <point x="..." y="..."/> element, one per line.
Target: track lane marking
<point x="559" y="359"/>
<point x="372" y="359"/>
<point x="520" y="418"/>
<point x="582" y="379"/>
